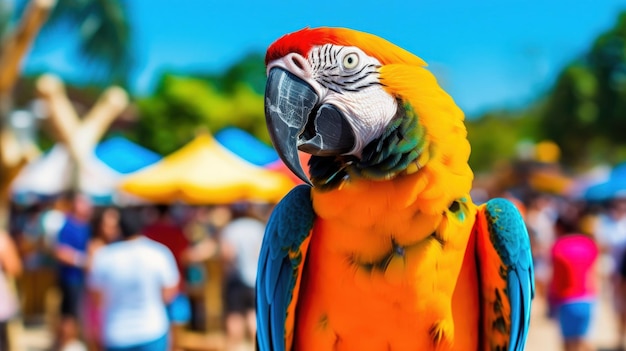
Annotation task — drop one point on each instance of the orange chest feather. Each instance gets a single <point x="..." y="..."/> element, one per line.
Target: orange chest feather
<point x="378" y="265"/>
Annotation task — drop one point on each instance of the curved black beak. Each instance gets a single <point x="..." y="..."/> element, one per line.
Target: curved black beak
<point x="296" y="121"/>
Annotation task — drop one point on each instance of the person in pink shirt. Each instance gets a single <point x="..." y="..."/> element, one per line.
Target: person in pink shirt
<point x="573" y="287"/>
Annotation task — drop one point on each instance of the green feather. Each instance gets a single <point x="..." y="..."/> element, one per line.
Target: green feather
<point x="401" y="143"/>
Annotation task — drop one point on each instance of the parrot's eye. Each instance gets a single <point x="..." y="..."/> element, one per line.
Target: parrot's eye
<point x="350" y="61"/>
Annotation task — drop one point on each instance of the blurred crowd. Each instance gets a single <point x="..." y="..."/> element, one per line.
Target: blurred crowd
<point x="131" y="278"/>
<point x="141" y="277"/>
<point x="579" y="251"/>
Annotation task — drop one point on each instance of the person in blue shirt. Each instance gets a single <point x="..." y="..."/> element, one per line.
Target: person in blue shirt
<point x="71" y="253"/>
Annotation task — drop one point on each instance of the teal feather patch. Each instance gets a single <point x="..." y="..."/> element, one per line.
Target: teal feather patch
<point x="459" y="209"/>
<point x="402" y="142"/>
<point x="509" y="237"/>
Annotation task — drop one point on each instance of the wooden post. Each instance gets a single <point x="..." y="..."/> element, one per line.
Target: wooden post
<point x="80" y="136"/>
<point x="14" y="156"/>
<point x="18" y="43"/>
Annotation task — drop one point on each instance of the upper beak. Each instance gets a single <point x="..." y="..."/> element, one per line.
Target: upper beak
<point x="296" y="121"/>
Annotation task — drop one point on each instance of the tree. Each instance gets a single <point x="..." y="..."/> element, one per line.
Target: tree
<point x="496" y="135"/>
<point x="171" y="117"/>
<point x="5" y="16"/>
<point x="181" y="104"/>
<point x="103" y="32"/>
<point x="586" y="110"/>
<point x="571" y="114"/>
<point x="15" y="153"/>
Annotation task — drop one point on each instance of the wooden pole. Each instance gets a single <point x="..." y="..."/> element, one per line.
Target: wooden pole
<point x="13" y="156"/>
<point x="80" y="136"/>
<point x="18" y="43"/>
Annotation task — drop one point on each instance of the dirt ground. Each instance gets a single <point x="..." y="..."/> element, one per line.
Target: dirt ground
<point x="543" y="335"/>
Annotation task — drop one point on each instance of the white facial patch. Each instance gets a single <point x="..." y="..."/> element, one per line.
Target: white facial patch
<point x="369" y="111"/>
<point x="348" y="79"/>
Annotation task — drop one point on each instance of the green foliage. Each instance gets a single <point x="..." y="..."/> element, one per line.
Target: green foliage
<point x="251" y="70"/>
<point x="495" y="137"/>
<point x="103" y="30"/>
<point x="571" y="114"/>
<point x="5" y="17"/>
<point x="586" y="111"/>
<point x="182" y="105"/>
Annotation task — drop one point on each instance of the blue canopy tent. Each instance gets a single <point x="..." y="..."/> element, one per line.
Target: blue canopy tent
<point x="246" y="146"/>
<point x="124" y="156"/>
<point x="614" y="187"/>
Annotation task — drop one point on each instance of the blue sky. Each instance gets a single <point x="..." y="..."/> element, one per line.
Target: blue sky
<point x="486" y="53"/>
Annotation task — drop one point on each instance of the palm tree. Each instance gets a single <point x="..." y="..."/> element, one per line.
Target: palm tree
<point x="5" y="14"/>
<point x="104" y="36"/>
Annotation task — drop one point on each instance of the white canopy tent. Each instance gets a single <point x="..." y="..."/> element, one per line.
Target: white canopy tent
<point x="51" y="174"/>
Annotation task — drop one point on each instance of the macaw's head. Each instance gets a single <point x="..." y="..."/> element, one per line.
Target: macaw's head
<point x="363" y="107"/>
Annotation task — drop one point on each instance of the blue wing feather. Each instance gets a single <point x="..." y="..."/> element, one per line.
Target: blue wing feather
<point x="510" y="239"/>
<point x="287" y="228"/>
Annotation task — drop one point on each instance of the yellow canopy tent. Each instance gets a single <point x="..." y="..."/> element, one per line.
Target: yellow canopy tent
<point x="204" y="172"/>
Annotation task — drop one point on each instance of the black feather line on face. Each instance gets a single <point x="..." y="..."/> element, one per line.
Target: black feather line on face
<point x="326" y="56"/>
<point x="318" y="62"/>
<point x="337" y="53"/>
<point x="357" y="73"/>
<point x="327" y="173"/>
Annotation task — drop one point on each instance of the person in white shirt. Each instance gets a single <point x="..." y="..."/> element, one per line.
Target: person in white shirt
<point x="133" y="280"/>
<point x="241" y="246"/>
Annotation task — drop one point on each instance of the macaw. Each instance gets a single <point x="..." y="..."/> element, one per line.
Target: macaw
<point x="383" y="249"/>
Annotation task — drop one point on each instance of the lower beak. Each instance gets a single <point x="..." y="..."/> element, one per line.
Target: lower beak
<point x="296" y="121"/>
